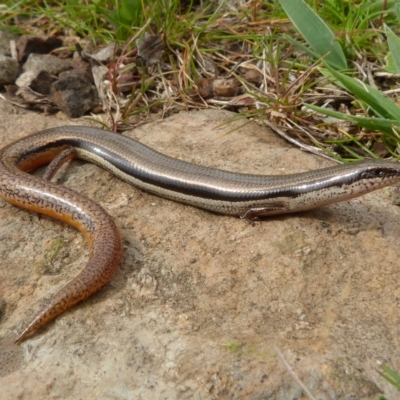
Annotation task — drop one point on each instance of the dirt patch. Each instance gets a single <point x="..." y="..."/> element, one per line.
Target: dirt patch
<point x="201" y="299"/>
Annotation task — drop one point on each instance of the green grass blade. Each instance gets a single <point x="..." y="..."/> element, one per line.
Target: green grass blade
<point x="380" y="6"/>
<point x="380" y="104"/>
<point x="391" y="376"/>
<point x="394" y="46"/>
<point x="352" y="140"/>
<point x="316" y="33"/>
<point x="301" y="46"/>
<point x="373" y="124"/>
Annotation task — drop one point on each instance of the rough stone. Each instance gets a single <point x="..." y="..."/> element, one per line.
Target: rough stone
<point x="74" y="95"/>
<point x="9" y="70"/>
<point x="253" y="76"/>
<point x="39" y="81"/>
<point x="202" y="302"/>
<point x="225" y="87"/>
<point x="5" y="38"/>
<point x="81" y="73"/>
<point x="46" y="62"/>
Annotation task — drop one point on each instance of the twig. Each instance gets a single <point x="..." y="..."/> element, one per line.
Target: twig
<point x="290" y="370"/>
<point x="303" y="146"/>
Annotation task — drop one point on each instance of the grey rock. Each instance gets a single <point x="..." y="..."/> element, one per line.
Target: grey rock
<point x="77" y="73"/>
<point x="42" y="82"/>
<point x="327" y="298"/>
<point x="46" y="62"/>
<point x="74" y="96"/>
<point x="5" y="37"/>
<point x="9" y="70"/>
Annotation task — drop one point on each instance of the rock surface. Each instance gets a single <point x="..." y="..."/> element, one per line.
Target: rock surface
<point x="202" y="302"/>
<point x="74" y="95"/>
<point x="9" y="69"/>
<point x="6" y="37"/>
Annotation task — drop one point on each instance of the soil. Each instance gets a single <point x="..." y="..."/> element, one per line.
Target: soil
<point x="203" y="304"/>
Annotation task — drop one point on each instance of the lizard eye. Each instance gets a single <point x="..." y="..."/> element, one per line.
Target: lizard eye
<point x="375" y="173"/>
<point x="379" y="172"/>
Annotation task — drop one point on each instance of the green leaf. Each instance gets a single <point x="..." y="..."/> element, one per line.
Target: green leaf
<point x="394" y="46"/>
<point x="316" y="33"/>
<point x="126" y="14"/>
<point x="129" y="10"/>
<point x="379" y="7"/>
<point x="390" y="64"/>
<point x="380" y="104"/>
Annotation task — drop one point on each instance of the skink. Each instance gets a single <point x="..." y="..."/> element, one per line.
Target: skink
<point x="244" y="195"/>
